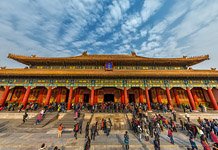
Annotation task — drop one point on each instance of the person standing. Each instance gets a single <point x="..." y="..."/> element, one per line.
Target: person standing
<point x="181" y="123"/>
<point x="96" y="128"/>
<point x="80" y="126"/>
<point x="205" y="145"/>
<point x="60" y="130"/>
<point x="213" y="137"/>
<point x="156" y="143"/>
<point x="25" y="117"/>
<point x="140" y="133"/>
<point x="93" y="132"/>
<point x="170" y="135"/>
<point x="102" y="124"/>
<point x="126" y="140"/>
<point x="87" y="130"/>
<point x="193" y="144"/>
<point x="187" y="117"/>
<point x="146" y="134"/>
<point x="174" y="115"/>
<point x="76" y="129"/>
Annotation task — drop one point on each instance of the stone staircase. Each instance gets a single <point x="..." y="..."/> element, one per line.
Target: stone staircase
<point x="118" y="120"/>
<point x="68" y="120"/>
<point x="115" y="141"/>
<point x="49" y="117"/>
<point x="3" y="125"/>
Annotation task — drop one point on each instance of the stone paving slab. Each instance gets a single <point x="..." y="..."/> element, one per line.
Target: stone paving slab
<point x="30" y="139"/>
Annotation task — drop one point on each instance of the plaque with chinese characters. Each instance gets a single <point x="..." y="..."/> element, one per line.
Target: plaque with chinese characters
<point x="108" y="66"/>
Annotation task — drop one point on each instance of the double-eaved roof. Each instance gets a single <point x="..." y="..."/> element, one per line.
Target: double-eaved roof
<point x="85" y="59"/>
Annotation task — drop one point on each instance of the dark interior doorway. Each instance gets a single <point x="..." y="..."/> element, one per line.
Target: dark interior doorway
<point x="67" y="93"/>
<point x="108" y="97"/>
<point x="150" y="96"/>
<point x="131" y="98"/>
<point x="86" y="98"/>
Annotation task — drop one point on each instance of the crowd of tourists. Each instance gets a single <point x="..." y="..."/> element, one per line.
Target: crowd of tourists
<point x="19" y="107"/>
<point x="108" y="107"/>
<point x="112" y="107"/>
<point x="145" y="127"/>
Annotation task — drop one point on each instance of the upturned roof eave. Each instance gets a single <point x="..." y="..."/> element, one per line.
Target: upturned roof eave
<point x="28" y="60"/>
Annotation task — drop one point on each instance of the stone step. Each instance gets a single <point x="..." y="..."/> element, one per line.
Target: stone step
<point x="68" y="121"/>
<point x="49" y="117"/>
<point x="3" y="125"/>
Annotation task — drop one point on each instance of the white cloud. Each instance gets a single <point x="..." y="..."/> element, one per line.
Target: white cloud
<point x="64" y="28"/>
<point x="197" y="18"/>
<point x="205" y="42"/>
<point x="115" y="13"/>
<point x="149" y="8"/>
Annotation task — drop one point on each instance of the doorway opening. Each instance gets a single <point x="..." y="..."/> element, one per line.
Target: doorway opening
<point x="108" y="97"/>
<point x="86" y="98"/>
<point x="131" y="98"/>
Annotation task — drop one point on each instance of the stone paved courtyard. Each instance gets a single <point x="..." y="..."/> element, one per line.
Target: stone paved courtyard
<point x="13" y="137"/>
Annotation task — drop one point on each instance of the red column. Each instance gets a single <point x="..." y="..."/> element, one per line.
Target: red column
<point x="190" y="97"/>
<point x="159" y="100"/>
<point x="58" y="100"/>
<point x="176" y="97"/>
<point x="195" y="97"/>
<point x="140" y="96"/>
<point x="4" y="96"/>
<point x="212" y="98"/>
<point x="122" y="97"/>
<point x="26" y="96"/>
<point x="48" y="96"/>
<point x="40" y="98"/>
<point x="126" y="96"/>
<point x="92" y="96"/>
<point x="147" y="98"/>
<point x="169" y="99"/>
<point x="70" y="98"/>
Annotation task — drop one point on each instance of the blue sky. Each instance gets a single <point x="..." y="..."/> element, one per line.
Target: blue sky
<point x="151" y="28"/>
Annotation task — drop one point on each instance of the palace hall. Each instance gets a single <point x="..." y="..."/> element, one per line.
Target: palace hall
<point x="118" y="78"/>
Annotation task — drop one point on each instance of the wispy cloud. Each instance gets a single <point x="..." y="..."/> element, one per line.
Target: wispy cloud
<point x="152" y="28"/>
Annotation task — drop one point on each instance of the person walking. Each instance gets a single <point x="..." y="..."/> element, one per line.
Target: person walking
<point x="126" y="140"/>
<point x="170" y="135"/>
<point x="80" y="126"/>
<point x="87" y="143"/>
<point x="60" y="130"/>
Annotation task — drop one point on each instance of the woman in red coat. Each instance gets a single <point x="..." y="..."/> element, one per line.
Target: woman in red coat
<point x="205" y="145"/>
<point x="213" y="137"/>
